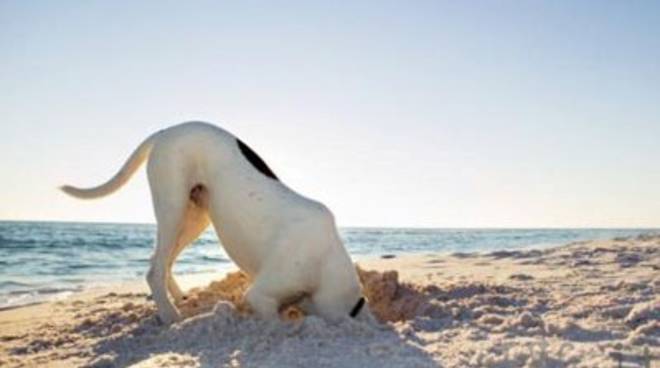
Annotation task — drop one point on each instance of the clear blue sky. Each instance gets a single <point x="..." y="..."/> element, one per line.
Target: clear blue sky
<point x="450" y="114"/>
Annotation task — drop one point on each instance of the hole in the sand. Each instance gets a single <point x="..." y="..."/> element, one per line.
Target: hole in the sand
<point x="389" y="299"/>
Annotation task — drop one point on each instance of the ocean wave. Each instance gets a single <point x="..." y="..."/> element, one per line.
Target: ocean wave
<point x="43" y="291"/>
<point x="19" y="298"/>
<point x="11" y="283"/>
<point x="82" y="266"/>
<point x="214" y="259"/>
<point x="19" y="243"/>
<point x="72" y="244"/>
<point x="196" y="271"/>
<point x="57" y="290"/>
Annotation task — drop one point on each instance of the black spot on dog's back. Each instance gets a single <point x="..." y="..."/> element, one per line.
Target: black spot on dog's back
<point x="255" y="160"/>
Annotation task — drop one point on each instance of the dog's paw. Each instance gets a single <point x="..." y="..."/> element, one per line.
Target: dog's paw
<point x="167" y="319"/>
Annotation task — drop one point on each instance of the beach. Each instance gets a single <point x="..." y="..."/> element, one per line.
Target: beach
<point x="490" y="169"/>
<point x="583" y="304"/>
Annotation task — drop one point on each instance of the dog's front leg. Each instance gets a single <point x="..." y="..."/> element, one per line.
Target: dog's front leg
<point x="264" y="305"/>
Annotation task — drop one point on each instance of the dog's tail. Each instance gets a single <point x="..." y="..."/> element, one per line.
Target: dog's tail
<point x="130" y="166"/>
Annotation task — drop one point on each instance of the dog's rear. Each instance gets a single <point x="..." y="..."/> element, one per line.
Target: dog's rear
<point x="180" y="197"/>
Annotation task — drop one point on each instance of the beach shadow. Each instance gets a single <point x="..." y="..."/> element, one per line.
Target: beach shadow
<point x="462" y="255"/>
<point x="515" y="254"/>
<point x="578" y="333"/>
<point x="224" y="337"/>
<point x="219" y="333"/>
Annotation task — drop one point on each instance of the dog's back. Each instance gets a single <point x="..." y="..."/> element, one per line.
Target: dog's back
<point x="248" y="205"/>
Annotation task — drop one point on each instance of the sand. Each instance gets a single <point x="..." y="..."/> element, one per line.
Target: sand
<point x="586" y="304"/>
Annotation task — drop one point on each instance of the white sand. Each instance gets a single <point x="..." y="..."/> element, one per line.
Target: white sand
<point x="587" y="304"/>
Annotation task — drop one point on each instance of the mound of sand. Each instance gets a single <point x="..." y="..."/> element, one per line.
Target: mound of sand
<point x="229" y="289"/>
<point x="389" y="299"/>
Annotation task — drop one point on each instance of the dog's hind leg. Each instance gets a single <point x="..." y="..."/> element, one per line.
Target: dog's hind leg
<point x="170" y="199"/>
<point x="196" y="220"/>
<point x="157" y="276"/>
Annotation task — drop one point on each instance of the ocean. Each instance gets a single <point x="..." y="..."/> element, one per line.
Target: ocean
<point x="47" y="260"/>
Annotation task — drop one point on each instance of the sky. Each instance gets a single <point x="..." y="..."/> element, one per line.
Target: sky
<point x="405" y="114"/>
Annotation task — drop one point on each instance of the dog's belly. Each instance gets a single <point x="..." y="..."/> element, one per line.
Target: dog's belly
<point x="253" y="224"/>
<point x="239" y="251"/>
<point x="246" y="228"/>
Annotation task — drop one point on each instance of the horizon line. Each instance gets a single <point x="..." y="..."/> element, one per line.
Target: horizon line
<point x="369" y="226"/>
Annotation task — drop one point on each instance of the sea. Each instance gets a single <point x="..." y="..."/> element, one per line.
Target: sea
<point x="50" y="260"/>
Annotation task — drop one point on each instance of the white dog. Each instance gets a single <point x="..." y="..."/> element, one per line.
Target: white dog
<point x="289" y="245"/>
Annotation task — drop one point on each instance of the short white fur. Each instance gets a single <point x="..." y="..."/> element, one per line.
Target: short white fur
<point x="287" y="243"/>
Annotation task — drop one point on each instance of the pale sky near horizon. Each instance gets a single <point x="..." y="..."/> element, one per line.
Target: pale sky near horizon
<point x="425" y="114"/>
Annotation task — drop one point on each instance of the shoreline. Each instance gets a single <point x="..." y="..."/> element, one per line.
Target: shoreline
<point x="197" y="279"/>
<point x="586" y="303"/>
<point x="186" y="281"/>
<point x="53" y="259"/>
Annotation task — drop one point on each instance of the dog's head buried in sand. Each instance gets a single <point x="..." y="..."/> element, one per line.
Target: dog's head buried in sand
<point x="288" y="244"/>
